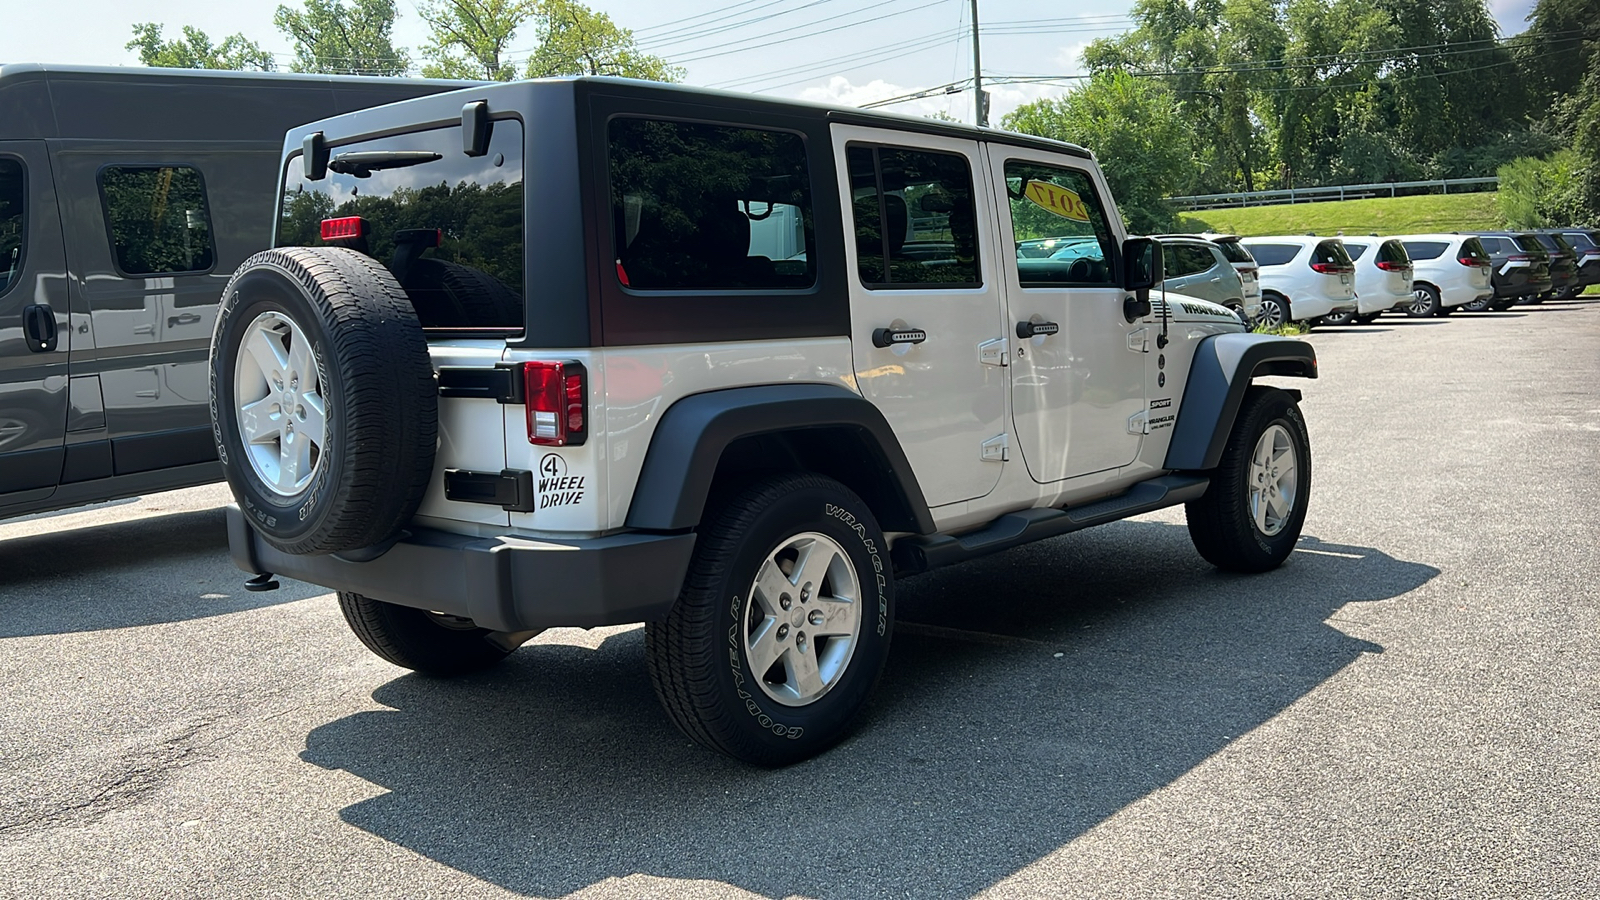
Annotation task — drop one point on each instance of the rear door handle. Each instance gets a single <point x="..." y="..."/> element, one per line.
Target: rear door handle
<point x="39" y="324"/>
<point x="1036" y="329"/>
<point x="182" y="319"/>
<point x="888" y="337"/>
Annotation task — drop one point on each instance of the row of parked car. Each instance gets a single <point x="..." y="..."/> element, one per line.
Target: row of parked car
<point x="1313" y="279"/>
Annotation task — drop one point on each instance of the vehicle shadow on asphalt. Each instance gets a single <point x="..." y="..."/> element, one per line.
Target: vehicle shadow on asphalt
<point x="166" y="568"/>
<point x="1030" y="696"/>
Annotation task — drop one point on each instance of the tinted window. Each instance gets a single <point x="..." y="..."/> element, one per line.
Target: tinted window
<point x="158" y="219"/>
<point x="1181" y="260"/>
<point x="1490" y="245"/>
<point x="1548" y="241"/>
<point x="1531" y="244"/>
<point x="1355" y="250"/>
<point x="710" y="207"/>
<point x="1392" y="251"/>
<point x="1331" y="253"/>
<point x="1425" y="249"/>
<point x="1273" y="254"/>
<point x="1564" y="244"/>
<point x="1580" y="240"/>
<point x="915" y="221"/>
<point x="1470" y="247"/>
<point x="449" y="226"/>
<point x="1061" y="205"/>
<point x="12" y="184"/>
<point x="1234" y="252"/>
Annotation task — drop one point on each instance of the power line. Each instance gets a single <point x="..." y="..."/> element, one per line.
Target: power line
<point x="699" y="32"/>
<point x="748" y="42"/>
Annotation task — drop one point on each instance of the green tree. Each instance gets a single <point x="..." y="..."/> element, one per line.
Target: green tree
<point x="196" y="51"/>
<point x="336" y="38"/>
<point x="1545" y="193"/>
<point x="1134" y="126"/>
<point x="576" y="40"/>
<point x="469" y="38"/>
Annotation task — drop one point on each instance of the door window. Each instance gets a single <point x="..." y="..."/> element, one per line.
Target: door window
<point x="158" y="218"/>
<point x="915" y="221"/>
<point x="1183" y="260"/>
<point x="700" y="207"/>
<point x="12" y="184"/>
<point x="1062" y="205"/>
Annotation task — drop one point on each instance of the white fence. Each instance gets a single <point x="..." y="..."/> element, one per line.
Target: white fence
<point x="1333" y="192"/>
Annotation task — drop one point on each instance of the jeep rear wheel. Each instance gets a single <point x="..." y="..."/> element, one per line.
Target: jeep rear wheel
<point x="783" y="623"/>
<point x="428" y="642"/>
<point x="1250" y="517"/>
<point x="323" y="401"/>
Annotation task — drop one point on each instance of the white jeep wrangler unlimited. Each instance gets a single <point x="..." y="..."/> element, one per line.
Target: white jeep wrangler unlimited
<point x="591" y="352"/>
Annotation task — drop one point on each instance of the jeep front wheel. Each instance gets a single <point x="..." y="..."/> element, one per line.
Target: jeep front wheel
<point x="1250" y="517"/>
<point x="783" y="623"/>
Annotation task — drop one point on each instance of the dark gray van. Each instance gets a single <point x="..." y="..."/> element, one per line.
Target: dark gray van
<point x="127" y="198"/>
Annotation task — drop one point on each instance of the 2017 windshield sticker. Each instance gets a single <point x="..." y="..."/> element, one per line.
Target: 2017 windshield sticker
<point x="1057" y="200"/>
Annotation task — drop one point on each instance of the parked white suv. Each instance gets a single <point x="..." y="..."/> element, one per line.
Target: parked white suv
<point x="1383" y="279"/>
<point x="588" y="352"/>
<point x="1449" y="270"/>
<point x="1303" y="277"/>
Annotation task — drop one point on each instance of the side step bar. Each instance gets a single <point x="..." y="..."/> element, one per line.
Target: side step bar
<point x="919" y="553"/>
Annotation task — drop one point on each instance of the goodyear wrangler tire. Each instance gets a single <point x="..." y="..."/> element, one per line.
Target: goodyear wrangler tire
<point x="783" y="623"/>
<point x="323" y="401"/>
<point x="1250" y="517"/>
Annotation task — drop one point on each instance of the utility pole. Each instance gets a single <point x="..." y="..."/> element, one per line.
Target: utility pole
<point x="982" y="99"/>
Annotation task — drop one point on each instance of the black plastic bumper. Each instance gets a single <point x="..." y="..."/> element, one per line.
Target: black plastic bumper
<point x="501" y="583"/>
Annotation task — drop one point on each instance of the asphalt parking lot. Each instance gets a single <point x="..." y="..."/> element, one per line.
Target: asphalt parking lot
<point x="1409" y="708"/>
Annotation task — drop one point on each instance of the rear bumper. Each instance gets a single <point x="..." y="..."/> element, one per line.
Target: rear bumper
<point x="501" y="583"/>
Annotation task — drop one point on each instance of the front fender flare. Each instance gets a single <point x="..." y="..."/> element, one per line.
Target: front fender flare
<point x="1223" y="367"/>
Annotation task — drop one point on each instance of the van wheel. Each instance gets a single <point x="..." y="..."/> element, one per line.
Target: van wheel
<point x="1274" y="312"/>
<point x="783" y="623"/>
<point x="1478" y="305"/>
<point x="1250" y="517"/>
<point x="416" y="639"/>
<point x="322" y="399"/>
<point x="1424" y="302"/>
<point x="1342" y="317"/>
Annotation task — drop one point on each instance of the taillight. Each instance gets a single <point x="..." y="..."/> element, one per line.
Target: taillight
<point x="1332" y="269"/>
<point x="1393" y="266"/>
<point x="556" y="394"/>
<point x="344" y="229"/>
<point x="1472" y="261"/>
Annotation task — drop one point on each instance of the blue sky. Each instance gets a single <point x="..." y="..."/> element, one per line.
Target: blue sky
<point x="824" y="50"/>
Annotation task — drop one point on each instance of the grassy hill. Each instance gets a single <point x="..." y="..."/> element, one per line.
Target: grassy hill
<point x="1384" y="215"/>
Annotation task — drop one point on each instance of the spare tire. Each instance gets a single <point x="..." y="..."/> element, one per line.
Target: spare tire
<point x="323" y="400"/>
<point x="450" y="295"/>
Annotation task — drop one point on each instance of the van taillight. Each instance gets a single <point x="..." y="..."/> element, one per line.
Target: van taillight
<point x="1388" y="266"/>
<point x="557" y="399"/>
<point x="1331" y="269"/>
<point x="343" y="229"/>
<point x="1471" y="261"/>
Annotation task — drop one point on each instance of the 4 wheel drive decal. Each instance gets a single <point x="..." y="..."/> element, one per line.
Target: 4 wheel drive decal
<point x="556" y="487"/>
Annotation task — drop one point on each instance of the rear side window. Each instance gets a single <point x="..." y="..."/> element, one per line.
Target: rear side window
<point x="1471" y="247"/>
<point x="1181" y="260"/>
<point x="1392" y="252"/>
<point x="449" y="226"/>
<point x="1531" y="244"/>
<point x="1234" y="252"/>
<point x="1331" y="253"/>
<point x="158" y="219"/>
<point x="1426" y="249"/>
<point x="1580" y="240"/>
<point x="710" y="207"/>
<point x="1355" y="250"/>
<point x="12" y="185"/>
<point x="1494" y="245"/>
<point x="914" y="217"/>
<point x="1274" y="254"/>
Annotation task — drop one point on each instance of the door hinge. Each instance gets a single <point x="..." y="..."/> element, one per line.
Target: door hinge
<point x="1139" y="340"/>
<point x="994" y="353"/>
<point x="996" y="449"/>
<point x="1139" y="422"/>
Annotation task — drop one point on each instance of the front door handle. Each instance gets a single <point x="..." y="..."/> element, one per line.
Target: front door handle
<point x="39" y="325"/>
<point x="1036" y="329"/>
<point x="182" y="319"/>
<point x="888" y="337"/>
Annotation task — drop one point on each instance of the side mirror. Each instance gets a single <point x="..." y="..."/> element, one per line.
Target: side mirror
<point x="1141" y="271"/>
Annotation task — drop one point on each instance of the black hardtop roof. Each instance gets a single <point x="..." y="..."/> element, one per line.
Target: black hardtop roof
<point x="44" y="101"/>
<point x="538" y="92"/>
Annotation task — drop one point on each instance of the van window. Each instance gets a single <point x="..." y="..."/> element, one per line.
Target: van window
<point x="158" y="218"/>
<point x="700" y="207"/>
<point x="1061" y="205"/>
<point x="1471" y="247"/>
<point x="1234" y="252"/>
<point x="12" y="185"/>
<point x="1393" y="252"/>
<point x="1273" y="254"/>
<point x="915" y="222"/>
<point x="1355" y="250"/>
<point x="449" y="226"/>
<point x="1427" y="249"/>
<point x="1331" y="253"/>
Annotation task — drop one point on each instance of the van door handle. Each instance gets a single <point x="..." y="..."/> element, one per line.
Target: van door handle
<point x="1036" y="329"/>
<point x="39" y="324"/>
<point x="182" y="319"/>
<point x="888" y="337"/>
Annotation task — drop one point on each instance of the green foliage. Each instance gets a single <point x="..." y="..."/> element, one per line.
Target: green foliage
<point x="1134" y="127"/>
<point x="469" y="38"/>
<point x="576" y="40"/>
<point x="1545" y="193"/>
<point x="1385" y="215"/>
<point x="196" y="51"/>
<point x="1287" y="329"/>
<point x="158" y="217"/>
<point x="337" y="38"/>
